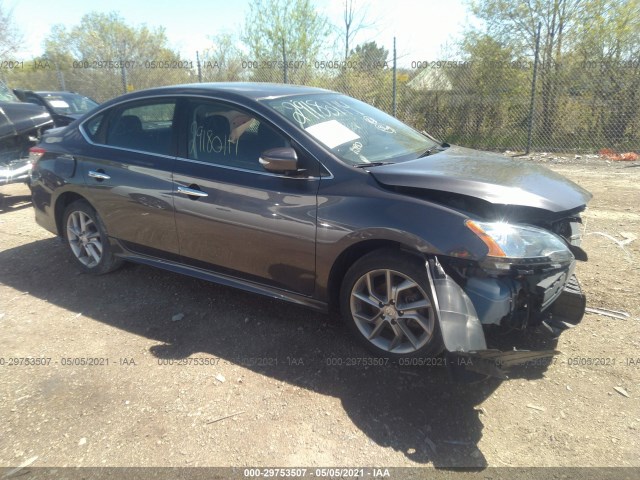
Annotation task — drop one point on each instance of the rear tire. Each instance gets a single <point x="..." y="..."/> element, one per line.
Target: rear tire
<point x="87" y="240"/>
<point x="386" y="302"/>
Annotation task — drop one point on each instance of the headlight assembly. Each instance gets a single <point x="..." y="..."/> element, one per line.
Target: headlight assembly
<point x="520" y="244"/>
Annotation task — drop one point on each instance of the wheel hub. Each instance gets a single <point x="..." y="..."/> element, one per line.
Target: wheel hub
<point x="390" y="312"/>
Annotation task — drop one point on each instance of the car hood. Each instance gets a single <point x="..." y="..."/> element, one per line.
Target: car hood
<point x="487" y="176"/>
<point x="18" y="118"/>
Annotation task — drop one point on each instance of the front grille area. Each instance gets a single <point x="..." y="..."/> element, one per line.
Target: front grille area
<point x="570" y="228"/>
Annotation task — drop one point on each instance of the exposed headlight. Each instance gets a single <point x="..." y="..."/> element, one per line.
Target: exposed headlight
<point x="521" y="243"/>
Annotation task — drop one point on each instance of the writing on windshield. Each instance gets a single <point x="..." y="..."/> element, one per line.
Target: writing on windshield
<point x="354" y="131"/>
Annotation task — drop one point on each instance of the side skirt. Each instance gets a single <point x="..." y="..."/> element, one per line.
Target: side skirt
<point x="221" y="279"/>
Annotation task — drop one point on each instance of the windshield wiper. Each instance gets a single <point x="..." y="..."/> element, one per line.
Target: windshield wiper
<point x="433" y="149"/>
<point x="371" y="164"/>
<point x="427" y="152"/>
<point x="434" y="139"/>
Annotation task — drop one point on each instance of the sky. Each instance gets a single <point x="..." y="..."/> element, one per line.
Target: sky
<point x="422" y="28"/>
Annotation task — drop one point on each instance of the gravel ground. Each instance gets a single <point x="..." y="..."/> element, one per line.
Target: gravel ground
<point x="148" y="368"/>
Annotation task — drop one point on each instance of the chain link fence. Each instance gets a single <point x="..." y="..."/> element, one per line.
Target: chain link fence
<point x="577" y="106"/>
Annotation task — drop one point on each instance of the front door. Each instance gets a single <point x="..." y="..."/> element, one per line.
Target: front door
<point x="234" y="217"/>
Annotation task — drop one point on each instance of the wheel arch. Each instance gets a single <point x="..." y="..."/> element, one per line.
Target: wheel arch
<point x="62" y="202"/>
<point x="352" y="254"/>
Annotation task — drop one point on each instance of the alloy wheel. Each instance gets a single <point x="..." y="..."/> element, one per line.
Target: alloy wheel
<point x="84" y="238"/>
<point x="392" y="311"/>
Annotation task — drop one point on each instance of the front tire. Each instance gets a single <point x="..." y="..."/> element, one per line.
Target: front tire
<point x="87" y="240"/>
<point x="386" y="301"/>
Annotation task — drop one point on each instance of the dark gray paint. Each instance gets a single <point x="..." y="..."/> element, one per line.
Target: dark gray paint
<point x="282" y="236"/>
<point x="487" y="176"/>
<point x="19" y="118"/>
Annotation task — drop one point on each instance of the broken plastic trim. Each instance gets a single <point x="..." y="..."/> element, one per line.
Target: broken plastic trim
<point x="463" y="335"/>
<point x="461" y="329"/>
<point x="494" y="363"/>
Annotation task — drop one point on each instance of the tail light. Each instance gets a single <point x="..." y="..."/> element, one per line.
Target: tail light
<point x="35" y="153"/>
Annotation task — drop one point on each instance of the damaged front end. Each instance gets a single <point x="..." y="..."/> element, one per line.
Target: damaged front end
<point x="510" y="264"/>
<point x="526" y="280"/>
<point x="21" y="126"/>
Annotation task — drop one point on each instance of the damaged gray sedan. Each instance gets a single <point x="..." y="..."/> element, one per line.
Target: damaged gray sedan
<point x="314" y="197"/>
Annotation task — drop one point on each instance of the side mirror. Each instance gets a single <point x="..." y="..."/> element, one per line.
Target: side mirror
<point x="279" y="160"/>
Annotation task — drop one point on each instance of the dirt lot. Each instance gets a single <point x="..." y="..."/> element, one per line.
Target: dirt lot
<point x="160" y="386"/>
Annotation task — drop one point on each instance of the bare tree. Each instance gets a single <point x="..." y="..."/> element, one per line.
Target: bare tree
<point x="10" y="36"/>
<point x="135" y="56"/>
<point x="282" y="32"/>
<point x="515" y="24"/>
<point x="355" y="20"/>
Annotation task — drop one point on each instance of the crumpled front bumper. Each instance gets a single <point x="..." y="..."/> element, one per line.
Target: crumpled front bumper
<point x="493" y="363"/>
<point x="561" y="306"/>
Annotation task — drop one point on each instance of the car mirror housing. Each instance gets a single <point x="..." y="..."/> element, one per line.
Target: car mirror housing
<point x="279" y="160"/>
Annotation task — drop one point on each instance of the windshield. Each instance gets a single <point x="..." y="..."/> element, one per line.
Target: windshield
<point x="68" y="103"/>
<point x="355" y="132"/>
<point x="6" y="95"/>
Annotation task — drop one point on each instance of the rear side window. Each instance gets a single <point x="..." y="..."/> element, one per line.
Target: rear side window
<point x="143" y="127"/>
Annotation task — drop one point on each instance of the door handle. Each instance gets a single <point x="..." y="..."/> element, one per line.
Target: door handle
<point x="99" y="175"/>
<point x="191" y="192"/>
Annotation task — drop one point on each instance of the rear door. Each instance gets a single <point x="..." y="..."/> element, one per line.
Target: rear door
<point x="233" y="216"/>
<point x="128" y="169"/>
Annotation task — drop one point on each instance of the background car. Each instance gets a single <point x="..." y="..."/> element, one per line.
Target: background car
<point x="21" y="125"/>
<point x="64" y="107"/>
<point x="314" y="197"/>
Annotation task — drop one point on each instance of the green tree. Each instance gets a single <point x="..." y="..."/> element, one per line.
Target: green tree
<point x="515" y="23"/>
<point x="40" y="73"/>
<point x="588" y="75"/>
<point x="222" y="62"/>
<point x="607" y="67"/>
<point x="366" y="76"/>
<point x="116" y="56"/>
<point x="279" y="31"/>
<point x="492" y="93"/>
<point x="369" y="55"/>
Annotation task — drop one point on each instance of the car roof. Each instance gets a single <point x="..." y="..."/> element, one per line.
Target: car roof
<point x="40" y="92"/>
<point x="55" y="92"/>
<point x="249" y="90"/>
